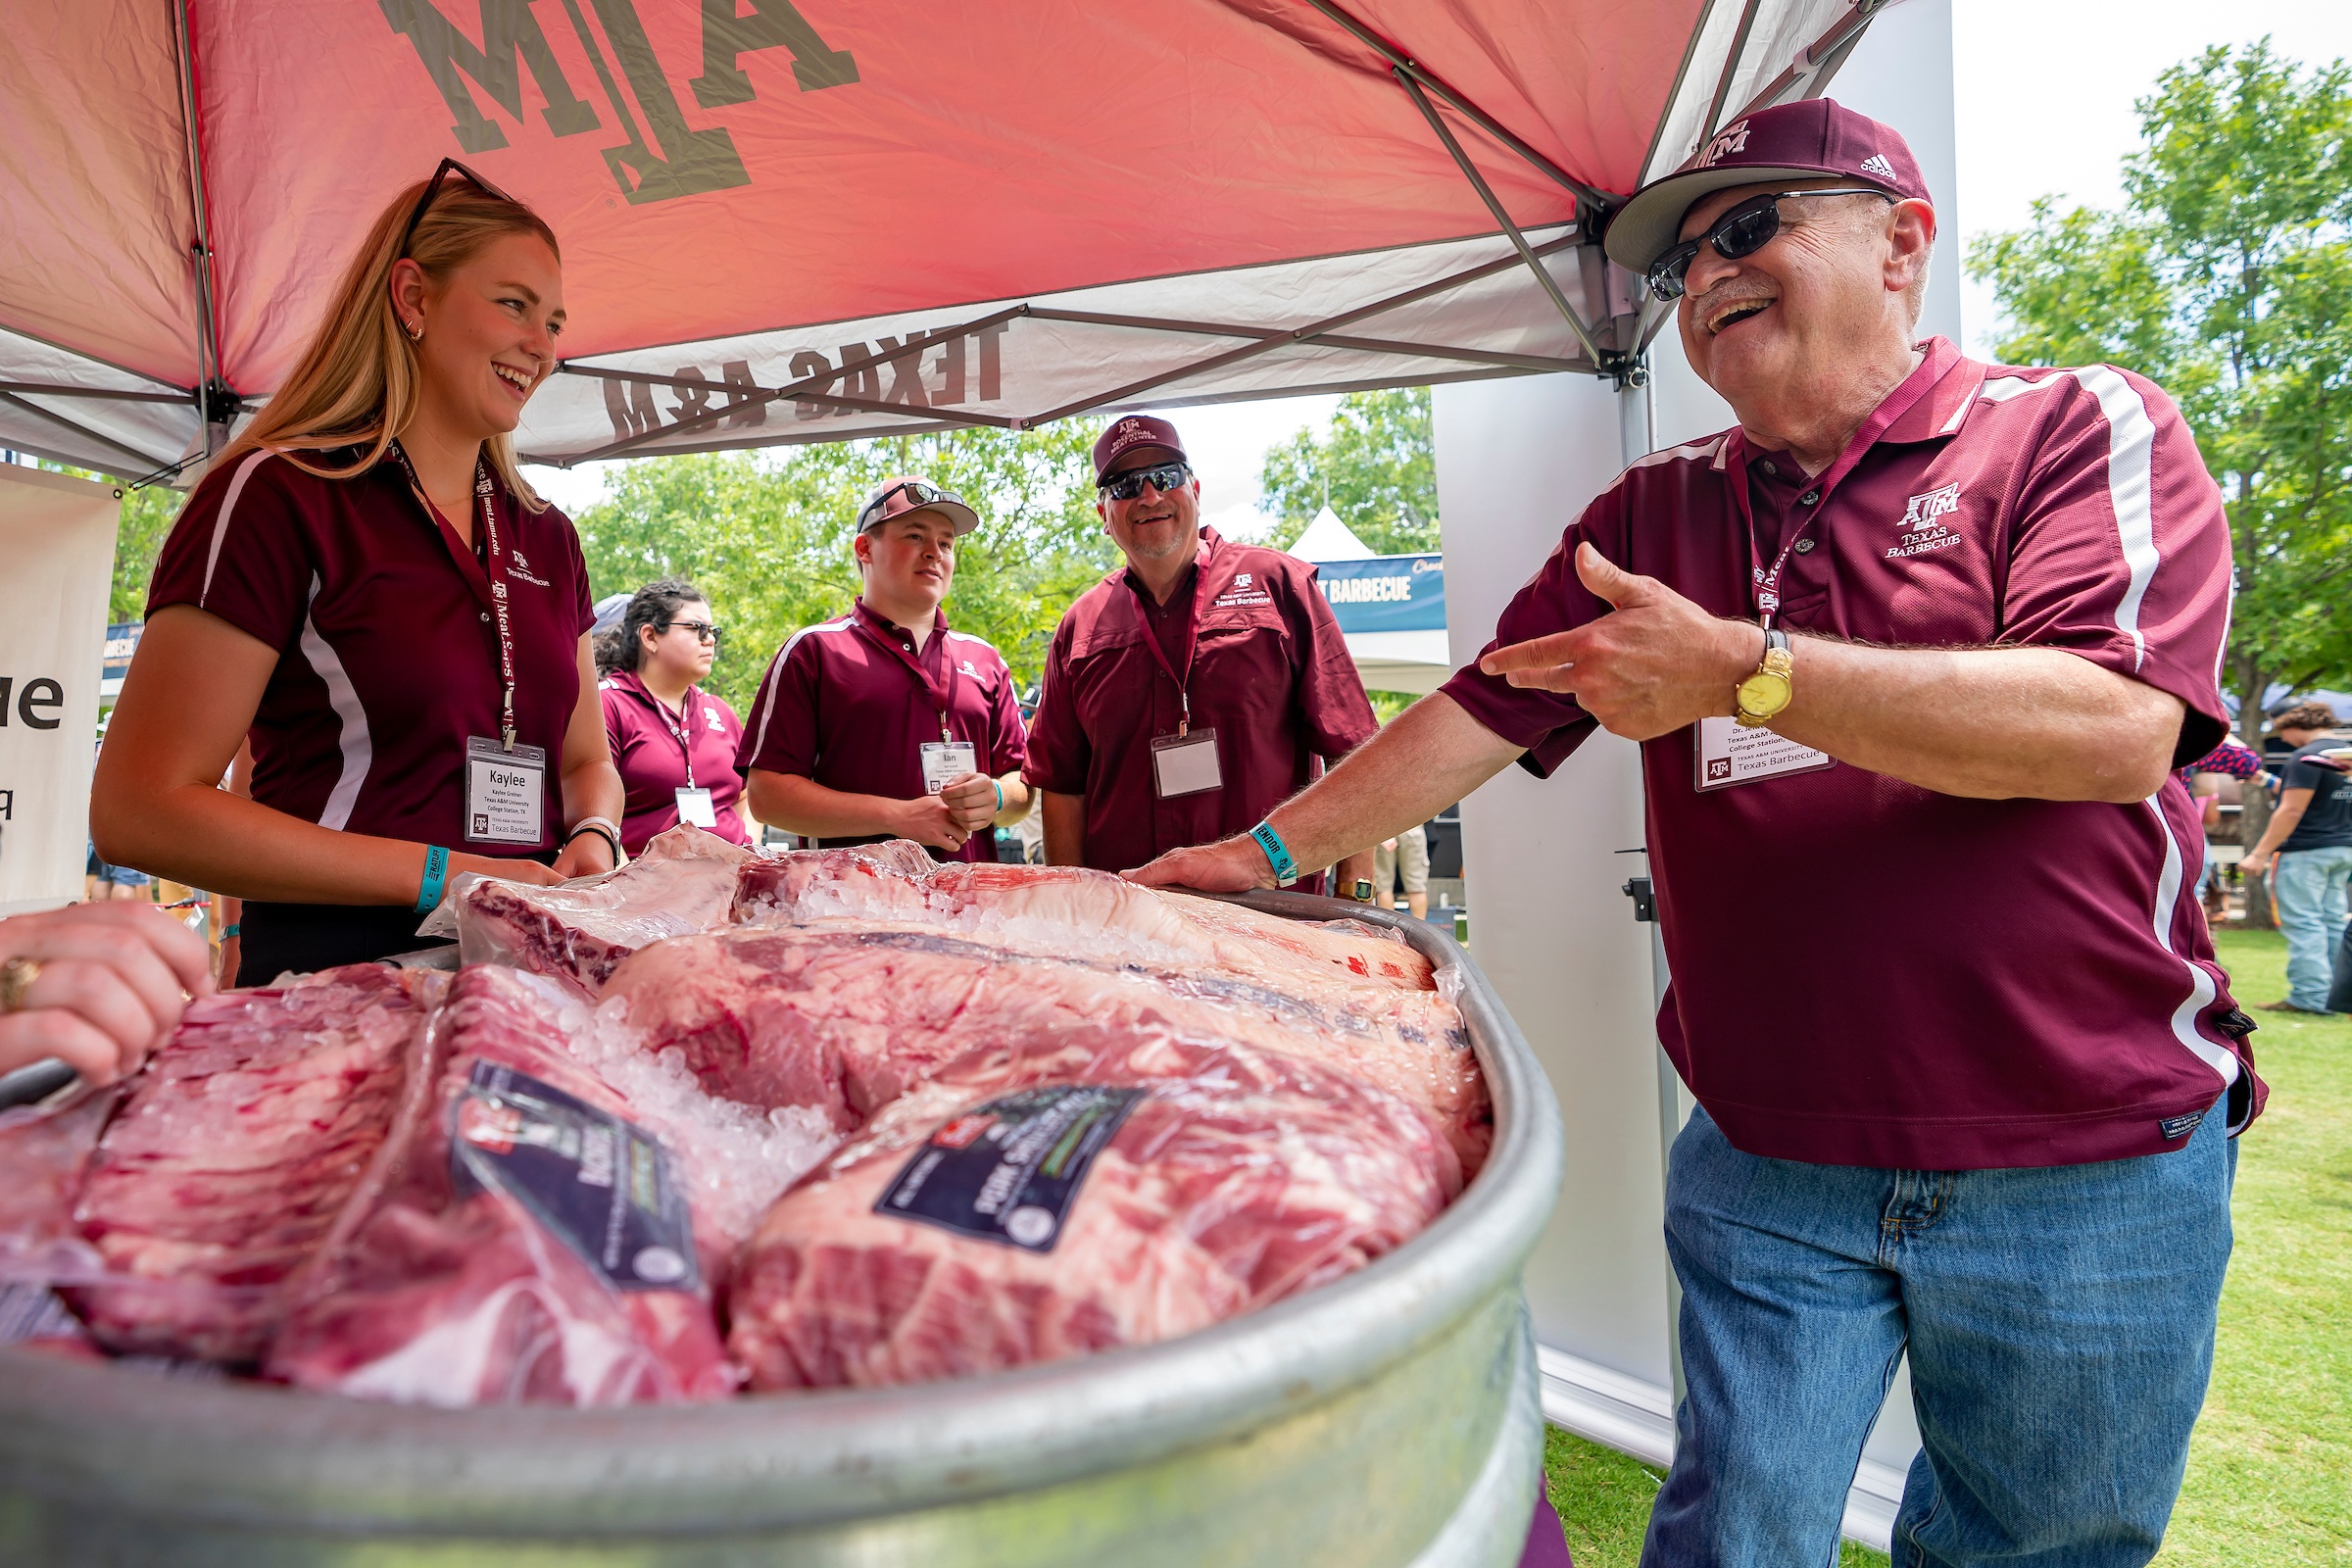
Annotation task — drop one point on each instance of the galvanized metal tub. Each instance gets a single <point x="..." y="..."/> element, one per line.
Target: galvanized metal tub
<point x="1386" y="1420"/>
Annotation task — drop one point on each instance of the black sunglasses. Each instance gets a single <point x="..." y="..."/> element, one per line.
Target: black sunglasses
<point x="1743" y="231"/>
<point x="432" y="188"/>
<point x="703" y="631"/>
<point x="1164" y="477"/>
<point x="923" y="494"/>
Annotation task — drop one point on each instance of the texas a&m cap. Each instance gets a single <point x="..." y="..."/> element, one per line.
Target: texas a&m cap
<point x="1810" y="139"/>
<point x="1132" y="431"/>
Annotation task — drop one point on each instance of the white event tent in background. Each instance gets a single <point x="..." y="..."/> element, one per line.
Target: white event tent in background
<point x="1392" y="609"/>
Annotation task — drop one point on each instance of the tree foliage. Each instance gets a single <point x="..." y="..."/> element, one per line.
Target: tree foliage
<point x="769" y="540"/>
<point x="1376" y="466"/>
<point x="2226" y="279"/>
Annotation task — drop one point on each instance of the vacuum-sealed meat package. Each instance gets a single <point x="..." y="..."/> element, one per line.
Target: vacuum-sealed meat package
<point x="216" y="1182"/>
<point x="542" y="1239"/>
<point x="1041" y="1199"/>
<point x="581" y="930"/>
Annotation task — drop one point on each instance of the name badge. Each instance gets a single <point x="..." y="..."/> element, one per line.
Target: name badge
<point x="946" y="760"/>
<point x="694" y="807"/>
<point x="1730" y="754"/>
<point x="506" y="793"/>
<point x="1185" y="764"/>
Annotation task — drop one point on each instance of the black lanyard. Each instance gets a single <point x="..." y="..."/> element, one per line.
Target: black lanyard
<point x="487" y="576"/>
<point x="688" y="711"/>
<point x="942" y="697"/>
<point x="1159" y="655"/>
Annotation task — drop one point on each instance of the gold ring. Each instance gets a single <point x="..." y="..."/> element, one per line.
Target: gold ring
<point x="17" y="976"/>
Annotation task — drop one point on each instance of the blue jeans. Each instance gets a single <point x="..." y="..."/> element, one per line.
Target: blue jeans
<point x="2311" y="911"/>
<point x="2060" y="1323"/>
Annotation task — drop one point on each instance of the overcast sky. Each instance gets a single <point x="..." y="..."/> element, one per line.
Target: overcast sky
<point x="2043" y="92"/>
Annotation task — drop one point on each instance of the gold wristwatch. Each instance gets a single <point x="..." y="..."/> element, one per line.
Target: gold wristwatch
<point x="1758" y="699"/>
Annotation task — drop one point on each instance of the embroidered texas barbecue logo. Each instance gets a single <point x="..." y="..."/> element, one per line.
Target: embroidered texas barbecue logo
<point x="1923" y="527"/>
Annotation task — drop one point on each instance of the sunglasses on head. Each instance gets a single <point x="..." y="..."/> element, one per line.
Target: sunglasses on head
<point x="1742" y="231"/>
<point x="703" y="631"/>
<point x="432" y="188"/>
<point x="1162" y="478"/>
<point x="916" y="491"/>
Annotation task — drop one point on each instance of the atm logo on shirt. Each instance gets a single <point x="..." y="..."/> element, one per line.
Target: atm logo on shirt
<point x="1923" y="524"/>
<point x="661" y="156"/>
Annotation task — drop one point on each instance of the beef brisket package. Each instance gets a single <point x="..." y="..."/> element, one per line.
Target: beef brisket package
<point x="542" y="1237"/>
<point x="1053" y="1195"/>
<point x="201" y="1190"/>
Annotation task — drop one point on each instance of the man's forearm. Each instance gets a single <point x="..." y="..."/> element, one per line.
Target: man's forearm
<point x="804" y="806"/>
<point x="1994" y="724"/>
<point x="1426" y="758"/>
<point x="1017" y="799"/>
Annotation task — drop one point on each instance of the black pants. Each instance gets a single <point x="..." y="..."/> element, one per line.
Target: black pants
<point x="2339" y="989"/>
<point x="305" y="937"/>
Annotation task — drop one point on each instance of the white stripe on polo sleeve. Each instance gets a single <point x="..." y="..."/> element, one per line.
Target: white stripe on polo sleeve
<point x="359" y="751"/>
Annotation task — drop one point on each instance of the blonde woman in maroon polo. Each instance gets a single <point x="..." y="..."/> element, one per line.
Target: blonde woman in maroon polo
<point x="364" y="584"/>
<point x="885" y="724"/>
<point x="673" y="741"/>
<point x="1944" y="627"/>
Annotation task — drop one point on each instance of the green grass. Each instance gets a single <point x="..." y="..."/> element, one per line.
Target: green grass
<point x="2270" y="1468"/>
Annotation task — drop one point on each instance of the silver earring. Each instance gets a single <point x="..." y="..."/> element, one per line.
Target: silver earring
<point x="415" y="331"/>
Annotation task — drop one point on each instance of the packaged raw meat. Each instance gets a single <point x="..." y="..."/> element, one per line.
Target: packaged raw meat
<point x="578" y="932"/>
<point x="1040" y="1199"/>
<point x="233" y="1150"/>
<point x="843" y="1016"/>
<point x="1109" y="916"/>
<point x="539" y="1242"/>
<point x="44" y="1151"/>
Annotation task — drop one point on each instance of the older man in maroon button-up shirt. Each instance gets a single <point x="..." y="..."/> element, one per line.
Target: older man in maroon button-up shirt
<point x="1190" y="692"/>
<point x="1910" y="651"/>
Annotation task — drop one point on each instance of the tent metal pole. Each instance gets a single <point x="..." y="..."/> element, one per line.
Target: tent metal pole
<point x="1539" y="362"/>
<point x="1731" y="69"/>
<point x="1587" y="196"/>
<point x="1485" y="193"/>
<point x="209" y="385"/>
<point x="87" y="434"/>
<point x="1681" y="74"/>
<point x="41" y="389"/>
<point x="1826" y="52"/>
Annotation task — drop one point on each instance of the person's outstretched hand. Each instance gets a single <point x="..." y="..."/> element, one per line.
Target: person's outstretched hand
<point x="101" y="986"/>
<point x="1233" y="865"/>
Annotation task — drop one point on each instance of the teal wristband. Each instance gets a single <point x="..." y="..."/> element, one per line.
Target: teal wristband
<point x="1000" y="784"/>
<point x="236" y="930"/>
<point x="436" y="870"/>
<point x="1278" y="853"/>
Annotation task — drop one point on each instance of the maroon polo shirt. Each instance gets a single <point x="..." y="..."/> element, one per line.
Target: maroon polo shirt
<point x="1270" y="674"/>
<point x="840" y="705"/>
<point x="387" y="661"/>
<point x="659" y="751"/>
<point x="1866" y="972"/>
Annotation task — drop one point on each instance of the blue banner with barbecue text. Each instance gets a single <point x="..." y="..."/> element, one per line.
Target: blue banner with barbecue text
<point x="1385" y="593"/>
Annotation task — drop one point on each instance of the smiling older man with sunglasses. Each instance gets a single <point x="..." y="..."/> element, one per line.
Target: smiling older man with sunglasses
<point x="1910" y="652"/>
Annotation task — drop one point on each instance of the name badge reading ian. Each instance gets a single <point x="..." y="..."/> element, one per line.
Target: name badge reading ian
<point x="694" y="808"/>
<point x="1730" y="754"/>
<point x="946" y="760"/>
<point x="1185" y="764"/>
<point x="506" y="793"/>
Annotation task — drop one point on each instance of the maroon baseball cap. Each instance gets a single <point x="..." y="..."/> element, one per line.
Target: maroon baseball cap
<point x="1132" y="431"/>
<point x="1804" y="140"/>
<point x="897" y="495"/>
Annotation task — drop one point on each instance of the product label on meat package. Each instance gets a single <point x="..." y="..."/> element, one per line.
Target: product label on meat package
<point x="601" y="1184"/>
<point x="1010" y="1170"/>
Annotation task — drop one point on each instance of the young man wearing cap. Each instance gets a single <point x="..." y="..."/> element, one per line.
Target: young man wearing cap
<point x="1189" y="692"/>
<point x="1945" y="627"/>
<point x="885" y="724"/>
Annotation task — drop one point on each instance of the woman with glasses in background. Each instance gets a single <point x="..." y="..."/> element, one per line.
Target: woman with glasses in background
<point x="364" y="584"/>
<point x="673" y="741"/>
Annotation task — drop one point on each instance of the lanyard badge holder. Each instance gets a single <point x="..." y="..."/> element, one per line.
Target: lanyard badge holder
<point x="1724" y="752"/>
<point x="1185" y="762"/>
<point x="694" y="803"/>
<point x="946" y="759"/>
<point x="505" y="782"/>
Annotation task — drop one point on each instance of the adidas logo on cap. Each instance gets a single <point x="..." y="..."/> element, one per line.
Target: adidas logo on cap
<point x="1876" y="164"/>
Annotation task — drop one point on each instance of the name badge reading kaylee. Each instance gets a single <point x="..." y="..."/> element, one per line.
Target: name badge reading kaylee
<point x="1185" y="764"/>
<point x="506" y="793"/>
<point x="1731" y="754"/>
<point x="695" y="809"/>
<point x="944" y="762"/>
